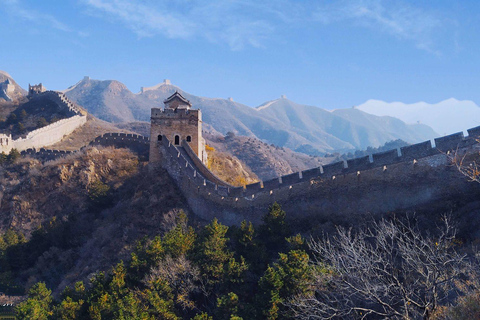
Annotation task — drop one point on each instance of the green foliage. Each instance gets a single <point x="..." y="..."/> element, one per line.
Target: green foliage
<point x="23" y="114"/>
<point x="289" y="276"/>
<point x="20" y="127"/>
<point x="216" y="262"/>
<point x="69" y="309"/>
<point x="202" y="316"/>
<point x="12" y="118"/>
<point x="274" y="229"/>
<point x="42" y="122"/>
<point x="227" y="307"/>
<point x="3" y="157"/>
<point x="183" y="274"/>
<point x="297" y="242"/>
<point x="144" y="257"/>
<point x="13" y="156"/>
<point x="38" y="305"/>
<point x="99" y="194"/>
<point x="180" y="240"/>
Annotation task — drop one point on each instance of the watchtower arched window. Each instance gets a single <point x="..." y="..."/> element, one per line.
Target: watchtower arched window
<point x="189" y="138"/>
<point x="177" y="140"/>
<point x="159" y="138"/>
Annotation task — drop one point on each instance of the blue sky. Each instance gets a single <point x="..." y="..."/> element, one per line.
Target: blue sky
<point x="331" y="54"/>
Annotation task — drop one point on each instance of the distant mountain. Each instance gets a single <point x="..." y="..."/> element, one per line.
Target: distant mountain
<point x="446" y="117"/>
<point x="109" y="100"/>
<point x="282" y="122"/>
<point x="9" y="89"/>
<point x="337" y="130"/>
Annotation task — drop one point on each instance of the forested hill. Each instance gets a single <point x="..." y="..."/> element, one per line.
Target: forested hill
<point x="97" y="235"/>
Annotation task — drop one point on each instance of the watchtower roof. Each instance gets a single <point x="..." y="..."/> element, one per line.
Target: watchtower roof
<point x="176" y="97"/>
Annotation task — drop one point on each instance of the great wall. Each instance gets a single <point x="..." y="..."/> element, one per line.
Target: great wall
<point x="51" y="133"/>
<point x="397" y="180"/>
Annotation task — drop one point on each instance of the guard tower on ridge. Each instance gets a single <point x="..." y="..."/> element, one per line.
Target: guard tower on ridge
<point x="178" y="122"/>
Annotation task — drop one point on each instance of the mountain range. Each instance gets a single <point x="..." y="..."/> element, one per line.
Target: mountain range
<point x="282" y="122"/>
<point x="445" y="117"/>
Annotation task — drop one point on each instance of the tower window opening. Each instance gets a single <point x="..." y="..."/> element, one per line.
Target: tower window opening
<point x="189" y="139"/>
<point x="159" y="137"/>
<point x="177" y="140"/>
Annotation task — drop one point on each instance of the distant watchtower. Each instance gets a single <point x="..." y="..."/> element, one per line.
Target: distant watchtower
<point x="35" y="89"/>
<point x="178" y="122"/>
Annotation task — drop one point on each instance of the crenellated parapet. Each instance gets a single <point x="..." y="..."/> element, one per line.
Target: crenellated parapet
<point x="135" y="142"/>
<point x="193" y="181"/>
<point x="382" y="182"/>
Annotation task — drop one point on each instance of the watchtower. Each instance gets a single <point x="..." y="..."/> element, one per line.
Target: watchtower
<point x="178" y="122"/>
<point x="35" y="89"/>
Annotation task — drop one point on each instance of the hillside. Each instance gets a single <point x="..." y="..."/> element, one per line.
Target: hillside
<point x="267" y="161"/>
<point x="282" y="122"/>
<point x="82" y="136"/>
<point x="79" y="214"/>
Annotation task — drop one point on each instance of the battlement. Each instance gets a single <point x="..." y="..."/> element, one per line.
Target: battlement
<point x="172" y="113"/>
<point x="354" y="167"/>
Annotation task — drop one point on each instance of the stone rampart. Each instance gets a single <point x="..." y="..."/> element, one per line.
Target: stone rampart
<point x="386" y="158"/>
<point x="134" y="142"/>
<point x="52" y="133"/>
<point x="208" y="198"/>
<point x="419" y="150"/>
<point x="334" y="168"/>
<point x="357" y="164"/>
<point x="354" y="192"/>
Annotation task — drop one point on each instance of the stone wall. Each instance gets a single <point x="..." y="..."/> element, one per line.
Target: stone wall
<point x="370" y="185"/>
<point x="52" y="133"/>
<point x="134" y="142"/>
<point x="137" y="143"/>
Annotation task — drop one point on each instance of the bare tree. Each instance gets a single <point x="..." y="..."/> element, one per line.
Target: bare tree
<point x="387" y="271"/>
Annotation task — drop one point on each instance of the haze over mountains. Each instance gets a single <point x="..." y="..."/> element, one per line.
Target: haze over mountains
<point x="445" y="117"/>
<point x="282" y="122"/>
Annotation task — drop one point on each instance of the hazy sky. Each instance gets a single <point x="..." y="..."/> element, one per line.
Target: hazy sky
<point x="331" y="54"/>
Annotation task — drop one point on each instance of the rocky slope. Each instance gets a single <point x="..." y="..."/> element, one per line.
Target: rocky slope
<point x="14" y="92"/>
<point x="267" y="161"/>
<point x="74" y="226"/>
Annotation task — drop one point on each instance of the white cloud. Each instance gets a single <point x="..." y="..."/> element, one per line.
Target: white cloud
<point x="241" y="23"/>
<point x="217" y="21"/>
<point x="396" y="18"/>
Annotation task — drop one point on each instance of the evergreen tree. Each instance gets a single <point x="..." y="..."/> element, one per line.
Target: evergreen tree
<point x="38" y="305"/>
